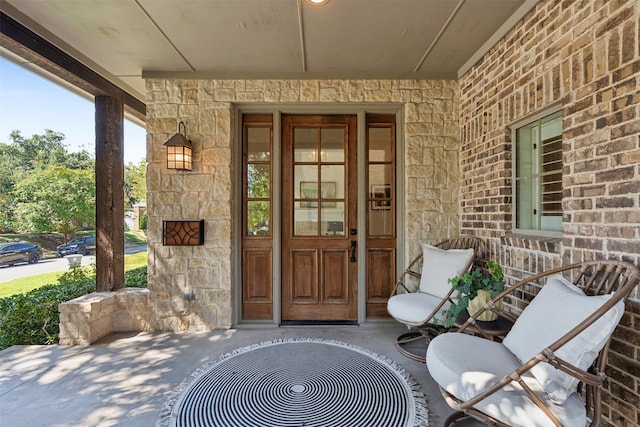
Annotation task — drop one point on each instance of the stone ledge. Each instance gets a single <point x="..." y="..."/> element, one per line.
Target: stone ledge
<point x="88" y="318"/>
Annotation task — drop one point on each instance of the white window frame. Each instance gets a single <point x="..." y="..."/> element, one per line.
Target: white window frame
<point x="535" y="174"/>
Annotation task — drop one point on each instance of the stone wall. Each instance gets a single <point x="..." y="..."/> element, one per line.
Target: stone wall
<point x="88" y="318"/>
<point x="191" y="288"/>
<point x="584" y="57"/>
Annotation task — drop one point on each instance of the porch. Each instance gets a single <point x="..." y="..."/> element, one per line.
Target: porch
<point x="577" y="58"/>
<point x="125" y="379"/>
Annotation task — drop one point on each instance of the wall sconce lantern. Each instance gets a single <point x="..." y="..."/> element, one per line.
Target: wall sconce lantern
<point x="179" y="150"/>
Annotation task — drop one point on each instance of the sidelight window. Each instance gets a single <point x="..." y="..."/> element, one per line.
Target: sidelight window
<point x="257" y="178"/>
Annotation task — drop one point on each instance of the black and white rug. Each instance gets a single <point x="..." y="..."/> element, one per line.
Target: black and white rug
<point x="302" y="382"/>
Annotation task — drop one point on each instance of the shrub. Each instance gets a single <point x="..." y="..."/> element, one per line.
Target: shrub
<point x="143" y="222"/>
<point x="33" y="317"/>
<point x="136" y="278"/>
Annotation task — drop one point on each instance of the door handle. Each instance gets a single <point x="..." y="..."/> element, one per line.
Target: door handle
<point x="354" y="245"/>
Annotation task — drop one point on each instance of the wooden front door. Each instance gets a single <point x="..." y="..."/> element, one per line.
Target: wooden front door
<point x="319" y="235"/>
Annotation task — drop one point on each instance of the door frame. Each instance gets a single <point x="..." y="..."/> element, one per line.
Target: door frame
<point x="360" y="110"/>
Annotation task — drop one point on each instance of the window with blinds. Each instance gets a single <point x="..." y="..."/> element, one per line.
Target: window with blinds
<point x="538" y="174"/>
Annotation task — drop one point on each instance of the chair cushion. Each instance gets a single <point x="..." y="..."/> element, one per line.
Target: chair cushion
<point x="414" y="308"/>
<point x="439" y="265"/>
<point x="559" y="307"/>
<point x="465" y="365"/>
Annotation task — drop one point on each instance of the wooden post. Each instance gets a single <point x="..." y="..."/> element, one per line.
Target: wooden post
<point x="109" y="194"/>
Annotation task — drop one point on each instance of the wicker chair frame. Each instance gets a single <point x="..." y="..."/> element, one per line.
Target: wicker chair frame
<point x="427" y="330"/>
<point x="594" y="278"/>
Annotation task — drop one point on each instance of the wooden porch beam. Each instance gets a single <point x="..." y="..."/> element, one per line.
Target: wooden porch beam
<point x="109" y="194"/>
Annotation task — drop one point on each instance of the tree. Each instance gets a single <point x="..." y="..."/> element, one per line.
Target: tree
<point x="39" y="150"/>
<point x="42" y="151"/>
<point x="26" y="156"/>
<point x="258" y="192"/>
<point x="55" y="199"/>
<point x="11" y="171"/>
<point x="79" y="160"/>
<point x="135" y="183"/>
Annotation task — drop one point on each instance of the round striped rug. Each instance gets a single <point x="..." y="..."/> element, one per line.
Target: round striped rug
<point x="304" y="382"/>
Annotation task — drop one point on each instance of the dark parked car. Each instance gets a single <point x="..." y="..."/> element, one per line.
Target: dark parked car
<point x="79" y="245"/>
<point x="13" y="253"/>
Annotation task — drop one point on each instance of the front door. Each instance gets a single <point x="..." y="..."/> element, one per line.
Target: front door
<point x="319" y="234"/>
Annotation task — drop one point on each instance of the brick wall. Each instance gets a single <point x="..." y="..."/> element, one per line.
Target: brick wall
<point x="584" y="57"/>
<point x="431" y="138"/>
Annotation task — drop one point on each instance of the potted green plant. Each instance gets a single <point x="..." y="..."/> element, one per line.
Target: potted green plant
<point x="474" y="289"/>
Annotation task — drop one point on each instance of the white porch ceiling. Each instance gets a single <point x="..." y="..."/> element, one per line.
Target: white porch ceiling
<point x="126" y="40"/>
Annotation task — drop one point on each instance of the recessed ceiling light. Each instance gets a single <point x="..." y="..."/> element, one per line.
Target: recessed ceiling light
<point x="318" y="2"/>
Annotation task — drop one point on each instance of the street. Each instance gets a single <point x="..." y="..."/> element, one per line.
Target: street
<point x="49" y="265"/>
<point x="46" y="265"/>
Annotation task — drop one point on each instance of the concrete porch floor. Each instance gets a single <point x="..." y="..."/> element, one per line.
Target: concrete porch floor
<point x="125" y="379"/>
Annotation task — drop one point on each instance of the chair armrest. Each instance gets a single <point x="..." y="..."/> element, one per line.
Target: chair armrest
<point x="407" y="272"/>
<point x="394" y="291"/>
<point x="592" y="379"/>
<point x="516" y="376"/>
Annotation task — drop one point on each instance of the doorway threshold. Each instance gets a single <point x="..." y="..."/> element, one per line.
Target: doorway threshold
<point x="319" y="323"/>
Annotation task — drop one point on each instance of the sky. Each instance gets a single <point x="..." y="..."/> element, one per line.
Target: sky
<point x="31" y="104"/>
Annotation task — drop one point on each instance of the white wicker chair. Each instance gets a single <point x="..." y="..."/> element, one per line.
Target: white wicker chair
<point x="421" y="309"/>
<point x="549" y="369"/>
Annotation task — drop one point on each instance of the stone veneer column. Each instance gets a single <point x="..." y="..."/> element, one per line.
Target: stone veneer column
<point x="431" y="138"/>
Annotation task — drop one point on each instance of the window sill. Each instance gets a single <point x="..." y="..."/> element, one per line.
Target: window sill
<point x="532" y="242"/>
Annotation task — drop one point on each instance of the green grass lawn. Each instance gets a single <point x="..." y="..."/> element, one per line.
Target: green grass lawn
<point x="26" y="284"/>
<point x="135" y="236"/>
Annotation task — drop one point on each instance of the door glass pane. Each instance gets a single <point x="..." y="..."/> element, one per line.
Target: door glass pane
<point x="380" y="140"/>
<point x="332" y="218"/>
<point x="332" y="141"/>
<point x="305" y="182"/>
<point x="380" y="208"/>
<point x="380" y="218"/>
<point x="332" y="182"/>
<point x="258" y="147"/>
<point x="305" y="217"/>
<point x="380" y="175"/>
<point x="305" y="145"/>
<point x="258" y="180"/>
<point x="319" y="181"/>
<point x="258" y="218"/>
